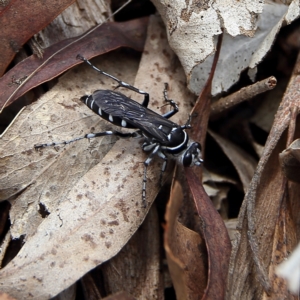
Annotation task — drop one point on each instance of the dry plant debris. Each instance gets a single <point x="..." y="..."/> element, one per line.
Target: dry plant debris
<point x="72" y="223"/>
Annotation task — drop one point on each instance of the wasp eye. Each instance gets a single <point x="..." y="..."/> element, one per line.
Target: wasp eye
<point x="187" y="159"/>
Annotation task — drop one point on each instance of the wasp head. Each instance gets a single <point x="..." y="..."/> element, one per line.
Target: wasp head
<point x="192" y="155"/>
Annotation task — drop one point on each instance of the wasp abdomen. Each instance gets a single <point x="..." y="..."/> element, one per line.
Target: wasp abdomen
<point x="98" y="102"/>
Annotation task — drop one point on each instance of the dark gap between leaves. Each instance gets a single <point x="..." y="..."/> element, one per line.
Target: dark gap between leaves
<point x="12" y="250"/>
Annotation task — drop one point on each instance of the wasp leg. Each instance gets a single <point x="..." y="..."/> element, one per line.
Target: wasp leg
<point x="188" y="125"/>
<point x="147" y="146"/>
<point x="146" y="164"/>
<point x="175" y="110"/>
<point x="135" y="134"/>
<point x="163" y="167"/>
<point x="120" y="82"/>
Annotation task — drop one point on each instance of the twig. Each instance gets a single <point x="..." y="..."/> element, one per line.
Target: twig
<point x="243" y="94"/>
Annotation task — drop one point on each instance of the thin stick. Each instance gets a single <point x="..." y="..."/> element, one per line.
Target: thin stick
<point x="243" y="94"/>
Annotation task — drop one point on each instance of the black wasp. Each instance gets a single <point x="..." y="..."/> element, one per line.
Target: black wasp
<point x="162" y="137"/>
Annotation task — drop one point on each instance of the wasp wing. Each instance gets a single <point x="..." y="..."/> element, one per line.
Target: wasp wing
<point x="149" y="122"/>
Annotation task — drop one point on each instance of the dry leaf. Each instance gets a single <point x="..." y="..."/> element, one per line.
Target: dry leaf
<point x="53" y="172"/>
<point x="267" y="198"/>
<point x="192" y="28"/>
<point x="141" y="258"/>
<point x="185" y="251"/>
<point x="120" y="296"/>
<point x="107" y="37"/>
<point x="20" y="20"/>
<point x="290" y="161"/>
<point x="243" y="162"/>
<point x="74" y="21"/>
<point x="290" y="270"/>
<point x="92" y="222"/>
<point x="4" y="296"/>
<point x="285" y="239"/>
<point x="215" y="236"/>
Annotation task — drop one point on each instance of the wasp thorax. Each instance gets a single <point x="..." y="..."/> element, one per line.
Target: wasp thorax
<point x="192" y="155"/>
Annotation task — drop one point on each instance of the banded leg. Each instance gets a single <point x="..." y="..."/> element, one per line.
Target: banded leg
<point x="163" y="167"/>
<point x="188" y="125"/>
<point x="120" y="82"/>
<point x="93" y="135"/>
<point x="175" y="110"/>
<point x="146" y="164"/>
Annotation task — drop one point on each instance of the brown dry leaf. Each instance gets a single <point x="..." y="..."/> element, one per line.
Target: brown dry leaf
<point x="141" y="259"/>
<point x="209" y="282"/>
<point x="69" y="293"/>
<point x="120" y="296"/>
<point x="265" y="200"/>
<point x="92" y="222"/>
<point x="105" y="38"/>
<point x="89" y="286"/>
<point x="241" y="160"/>
<point x="290" y="161"/>
<point x="199" y="125"/>
<point x="185" y="251"/>
<point x="20" y="20"/>
<point x="285" y="239"/>
<point x="215" y="236"/>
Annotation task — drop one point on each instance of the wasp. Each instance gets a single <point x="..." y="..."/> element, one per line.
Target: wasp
<point x="162" y="137"/>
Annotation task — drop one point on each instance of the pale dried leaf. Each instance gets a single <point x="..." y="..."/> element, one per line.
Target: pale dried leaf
<point x="231" y="225"/>
<point x="74" y="21"/>
<point x="48" y="175"/>
<point x="104" y="208"/>
<point x="87" y="228"/>
<point x="217" y="187"/>
<point x="4" y="244"/>
<point x="209" y="176"/>
<point x="250" y="27"/>
<point x="219" y="201"/>
<point x="290" y="270"/>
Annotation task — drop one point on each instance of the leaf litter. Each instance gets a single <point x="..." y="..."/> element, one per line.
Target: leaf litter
<point x="250" y="28"/>
<point x="24" y="21"/>
<point x="270" y="202"/>
<point x="105" y="38"/>
<point x="79" y="207"/>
